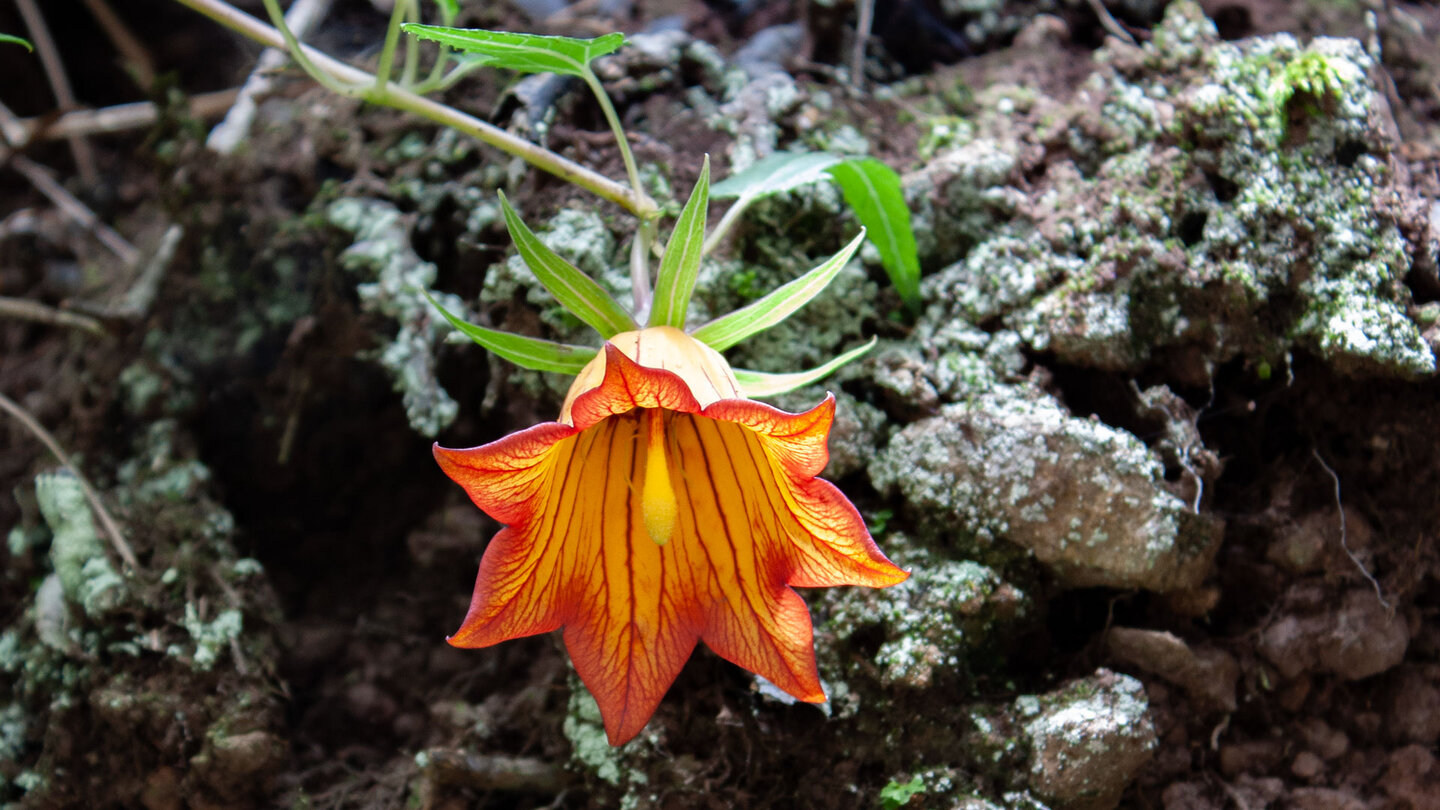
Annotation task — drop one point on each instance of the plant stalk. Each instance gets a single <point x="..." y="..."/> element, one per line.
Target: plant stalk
<point x="634" y="199"/>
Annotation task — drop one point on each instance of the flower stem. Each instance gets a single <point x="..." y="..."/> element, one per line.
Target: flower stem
<point x="392" y="39"/>
<point x="349" y="81"/>
<point x="620" y="140"/>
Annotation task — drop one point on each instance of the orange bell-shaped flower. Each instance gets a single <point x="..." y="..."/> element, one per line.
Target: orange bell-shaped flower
<point x="662" y="509"/>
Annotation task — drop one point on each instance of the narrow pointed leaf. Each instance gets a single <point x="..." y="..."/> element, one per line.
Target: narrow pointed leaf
<point x="526" y="352"/>
<point x="575" y="291"/>
<point x="681" y="262"/>
<point x="727" y="330"/>
<point x="14" y="40"/>
<point x="756" y="384"/>
<point x="527" y="53"/>
<point x="872" y="190"/>
<point x="779" y="172"/>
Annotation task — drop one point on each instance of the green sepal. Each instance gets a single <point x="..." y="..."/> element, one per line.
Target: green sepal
<point x="526" y="352"/>
<point x="575" y="291"/>
<point x="755" y="384"/>
<point x="872" y="190"/>
<point x="527" y="53"/>
<point x="727" y="330"/>
<point x="680" y="265"/>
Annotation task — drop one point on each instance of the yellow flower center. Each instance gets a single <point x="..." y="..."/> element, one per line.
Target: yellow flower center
<point x="657" y="496"/>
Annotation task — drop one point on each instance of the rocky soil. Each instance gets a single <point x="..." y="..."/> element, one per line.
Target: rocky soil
<point x="1161" y="449"/>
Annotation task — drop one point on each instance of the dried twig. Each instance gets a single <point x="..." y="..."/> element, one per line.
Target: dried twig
<point x="1344" y="541"/>
<point x="142" y="293"/>
<point x="228" y="134"/>
<point x="107" y="523"/>
<point x="119" y="118"/>
<point x="27" y="310"/>
<point x="136" y="57"/>
<point x="76" y="209"/>
<point x="863" y="24"/>
<point x="1108" y="21"/>
<point x="59" y="84"/>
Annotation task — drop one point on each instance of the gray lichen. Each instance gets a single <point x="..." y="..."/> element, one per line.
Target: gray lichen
<point x="395" y="278"/>
<point x="76" y="551"/>
<point x="932" y="622"/>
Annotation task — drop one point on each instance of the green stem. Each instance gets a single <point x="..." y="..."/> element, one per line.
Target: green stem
<point x="437" y="77"/>
<point x="614" y="120"/>
<point x="723" y="226"/>
<point x="392" y="39"/>
<point x="352" y="81"/>
<point x="297" y="51"/>
<point x="412" y="50"/>
<point x="640" y="268"/>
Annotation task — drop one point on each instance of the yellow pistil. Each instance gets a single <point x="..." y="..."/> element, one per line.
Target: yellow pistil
<point x="657" y="496"/>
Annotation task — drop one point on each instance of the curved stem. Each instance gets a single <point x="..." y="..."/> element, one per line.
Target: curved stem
<point x="392" y="39"/>
<point x="298" y="52"/>
<point x="723" y="226"/>
<point x="614" y="120"/>
<point x="633" y="200"/>
<point x="640" y="268"/>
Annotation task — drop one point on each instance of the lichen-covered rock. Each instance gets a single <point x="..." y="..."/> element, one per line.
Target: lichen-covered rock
<point x="1088" y="740"/>
<point x="1215" y="200"/>
<point x="932" y="622"/>
<point x="1089" y="501"/>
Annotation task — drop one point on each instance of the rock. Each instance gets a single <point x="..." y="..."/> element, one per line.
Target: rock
<point x="1415" y="708"/>
<point x="1359" y="639"/>
<point x="1307" y="766"/>
<point x="1089" y="739"/>
<point x="933" y="620"/>
<point x="1208" y="674"/>
<point x="1412" y="779"/>
<point x="1317" y="798"/>
<point x="1087" y="500"/>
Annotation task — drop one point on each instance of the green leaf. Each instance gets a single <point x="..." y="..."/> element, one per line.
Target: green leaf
<point x="872" y="190"/>
<point x="448" y="9"/>
<point x="727" y="330"/>
<point x="527" y="53"/>
<point x="756" y="384"/>
<point x="14" y="40"/>
<point x="526" y="352"/>
<point x="681" y="263"/>
<point x="575" y="291"/>
<point x="781" y="171"/>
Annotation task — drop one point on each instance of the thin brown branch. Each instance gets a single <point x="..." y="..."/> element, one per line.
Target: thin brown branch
<point x="865" y="21"/>
<point x="107" y="523"/>
<point x="26" y="310"/>
<point x="1108" y="21"/>
<point x="228" y="134"/>
<point x="119" y="118"/>
<point x="76" y="209"/>
<point x="59" y="84"/>
<point x="136" y="56"/>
